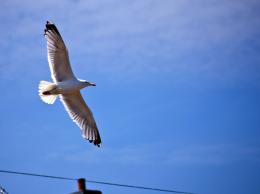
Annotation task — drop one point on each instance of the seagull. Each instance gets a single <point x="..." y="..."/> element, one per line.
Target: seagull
<point x="67" y="86"/>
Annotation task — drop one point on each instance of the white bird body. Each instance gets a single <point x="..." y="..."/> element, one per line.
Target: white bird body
<point x="67" y="86"/>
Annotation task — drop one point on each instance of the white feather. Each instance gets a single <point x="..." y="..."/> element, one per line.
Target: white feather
<point x="82" y="116"/>
<point x="45" y="86"/>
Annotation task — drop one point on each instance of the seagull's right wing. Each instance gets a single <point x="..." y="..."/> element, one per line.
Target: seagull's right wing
<point x="81" y="114"/>
<point x="58" y="57"/>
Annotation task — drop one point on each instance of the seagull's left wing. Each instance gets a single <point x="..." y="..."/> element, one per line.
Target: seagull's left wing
<point x="82" y="115"/>
<point x="58" y="56"/>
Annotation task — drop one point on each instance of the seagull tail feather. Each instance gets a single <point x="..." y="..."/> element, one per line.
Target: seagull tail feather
<point x="45" y="89"/>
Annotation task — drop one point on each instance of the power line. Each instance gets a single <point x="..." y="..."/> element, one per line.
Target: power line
<point x="139" y="187"/>
<point x="39" y="175"/>
<point x="96" y="182"/>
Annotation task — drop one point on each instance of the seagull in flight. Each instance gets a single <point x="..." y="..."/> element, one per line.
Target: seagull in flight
<point x="67" y="86"/>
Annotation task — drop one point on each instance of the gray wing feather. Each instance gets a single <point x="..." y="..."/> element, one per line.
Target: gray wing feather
<point x="58" y="56"/>
<point x="82" y="115"/>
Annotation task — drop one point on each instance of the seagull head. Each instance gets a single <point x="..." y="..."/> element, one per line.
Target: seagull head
<point x="87" y="83"/>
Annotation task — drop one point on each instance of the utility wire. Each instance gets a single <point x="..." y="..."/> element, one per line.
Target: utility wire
<point x="96" y="182"/>
<point x="139" y="187"/>
<point x="39" y="175"/>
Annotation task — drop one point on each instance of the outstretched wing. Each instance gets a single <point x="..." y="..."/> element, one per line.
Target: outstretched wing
<point x="82" y="115"/>
<point x="58" y="57"/>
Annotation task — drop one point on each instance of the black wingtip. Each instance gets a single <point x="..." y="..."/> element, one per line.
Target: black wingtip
<point x="96" y="142"/>
<point x="51" y="26"/>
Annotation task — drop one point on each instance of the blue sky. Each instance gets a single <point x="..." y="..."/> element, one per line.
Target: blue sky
<point x="177" y="100"/>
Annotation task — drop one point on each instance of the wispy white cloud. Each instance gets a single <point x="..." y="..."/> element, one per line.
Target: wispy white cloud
<point x="161" y="154"/>
<point x="214" y="154"/>
<point x="128" y="38"/>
